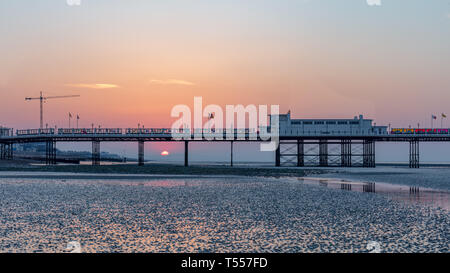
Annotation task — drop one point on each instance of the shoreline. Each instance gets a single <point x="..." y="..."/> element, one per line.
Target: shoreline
<point x="426" y="186"/>
<point x="163" y="169"/>
<point x="431" y="178"/>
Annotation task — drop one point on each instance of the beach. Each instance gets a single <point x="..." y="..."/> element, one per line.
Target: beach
<point x="42" y="211"/>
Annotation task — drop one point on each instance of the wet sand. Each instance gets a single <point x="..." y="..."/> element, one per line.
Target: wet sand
<point x="156" y="168"/>
<point x="222" y="214"/>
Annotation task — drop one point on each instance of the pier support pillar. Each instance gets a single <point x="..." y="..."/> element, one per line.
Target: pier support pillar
<point x="95" y="152"/>
<point x="278" y="156"/>
<point x="323" y="153"/>
<point x="365" y="154"/>
<point x="141" y="153"/>
<point x="231" y="155"/>
<point x="50" y="152"/>
<point x="371" y="145"/>
<point x="186" y="153"/>
<point x="11" y="151"/>
<point x="6" y="151"/>
<point x="369" y="154"/>
<point x="2" y="151"/>
<point x="300" y="153"/>
<point x="414" y="154"/>
<point x="346" y="153"/>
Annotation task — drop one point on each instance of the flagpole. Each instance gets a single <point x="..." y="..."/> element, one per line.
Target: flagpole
<point x="442" y="119"/>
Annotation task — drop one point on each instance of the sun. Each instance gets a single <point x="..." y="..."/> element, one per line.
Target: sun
<point x="164" y="153"/>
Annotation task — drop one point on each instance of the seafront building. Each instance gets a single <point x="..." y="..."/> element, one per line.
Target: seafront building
<point x="334" y="127"/>
<point x="5" y="131"/>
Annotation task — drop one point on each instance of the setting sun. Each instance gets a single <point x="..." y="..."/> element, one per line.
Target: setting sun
<point x="164" y="153"/>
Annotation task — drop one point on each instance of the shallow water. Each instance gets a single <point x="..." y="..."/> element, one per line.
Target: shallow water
<point x="408" y="194"/>
<point x="207" y="214"/>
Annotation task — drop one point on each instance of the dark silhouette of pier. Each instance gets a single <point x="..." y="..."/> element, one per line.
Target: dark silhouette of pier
<point x="321" y="150"/>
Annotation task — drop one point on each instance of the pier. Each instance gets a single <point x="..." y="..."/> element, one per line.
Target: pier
<point x="302" y="143"/>
<point x="295" y="151"/>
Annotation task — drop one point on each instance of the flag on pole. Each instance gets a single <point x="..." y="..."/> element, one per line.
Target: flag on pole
<point x="433" y="117"/>
<point x="442" y="119"/>
<point x="78" y="117"/>
<point x="70" y="115"/>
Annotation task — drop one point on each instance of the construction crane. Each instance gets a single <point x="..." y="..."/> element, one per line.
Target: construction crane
<point x="42" y="99"/>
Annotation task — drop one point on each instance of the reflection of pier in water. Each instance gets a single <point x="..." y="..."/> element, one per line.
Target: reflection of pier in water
<point x="408" y="194"/>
